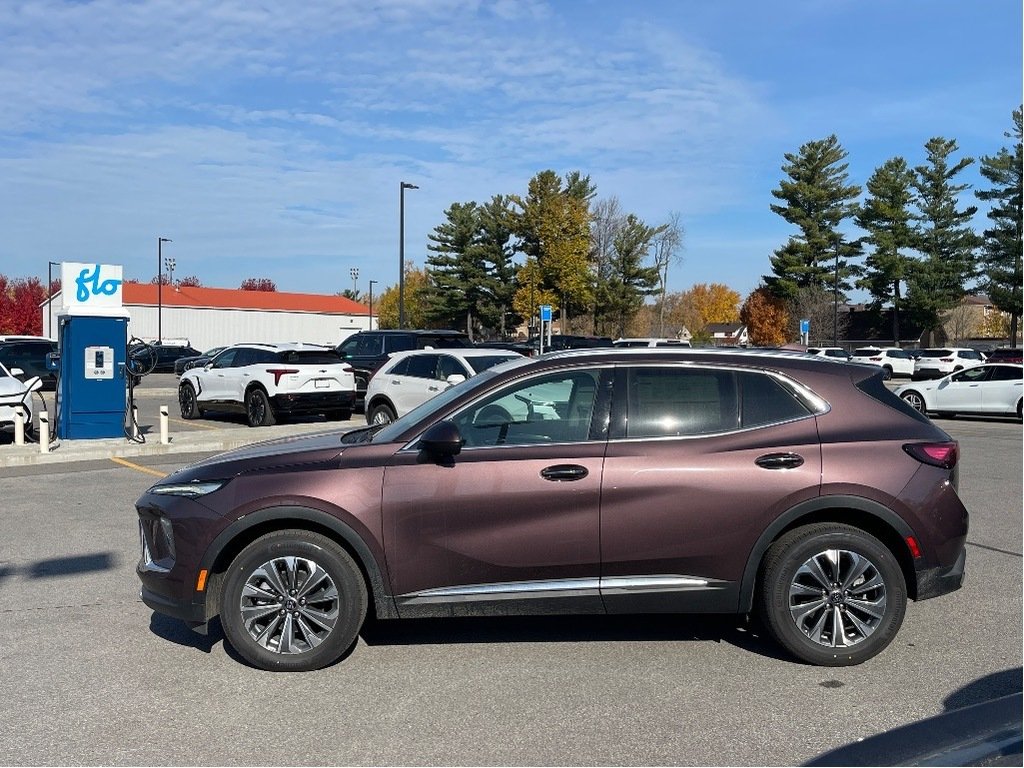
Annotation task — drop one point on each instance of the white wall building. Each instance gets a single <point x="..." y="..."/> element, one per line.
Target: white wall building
<point x="210" y="317"/>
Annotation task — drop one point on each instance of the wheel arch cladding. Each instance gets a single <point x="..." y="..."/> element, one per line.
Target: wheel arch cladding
<point x="233" y="539"/>
<point x="865" y="514"/>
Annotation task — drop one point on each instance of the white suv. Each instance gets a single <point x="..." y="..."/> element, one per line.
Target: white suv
<point x="269" y="381"/>
<point x="936" y="362"/>
<point x="892" y="360"/>
<point x="410" y="378"/>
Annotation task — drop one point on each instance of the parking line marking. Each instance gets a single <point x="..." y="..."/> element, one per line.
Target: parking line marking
<point x="138" y="467"/>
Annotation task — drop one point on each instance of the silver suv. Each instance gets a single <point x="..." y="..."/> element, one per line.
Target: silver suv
<point x="269" y="381"/>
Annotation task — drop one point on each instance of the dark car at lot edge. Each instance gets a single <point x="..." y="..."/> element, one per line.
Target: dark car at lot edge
<point x="182" y="364"/>
<point x="29" y="354"/>
<point x="159" y="358"/>
<point x="366" y="351"/>
<point x="587" y="481"/>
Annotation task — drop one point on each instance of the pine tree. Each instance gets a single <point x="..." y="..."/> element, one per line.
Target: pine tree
<point x="1002" y="245"/>
<point x="888" y="220"/>
<point x="493" y="246"/>
<point x="629" y="280"/>
<point x="943" y="235"/>
<point x="455" y="269"/>
<point x="817" y="198"/>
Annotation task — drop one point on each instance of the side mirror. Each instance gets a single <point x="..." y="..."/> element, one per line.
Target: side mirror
<point x="455" y="378"/>
<point x="442" y="439"/>
<point x="16" y="372"/>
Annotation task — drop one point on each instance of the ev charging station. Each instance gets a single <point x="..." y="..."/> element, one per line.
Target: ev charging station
<point x="92" y="341"/>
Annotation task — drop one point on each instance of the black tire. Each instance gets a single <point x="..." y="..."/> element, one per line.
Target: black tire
<point x="381" y="413"/>
<point x="1020" y="409"/>
<point x="886" y="373"/>
<point x="187" y="402"/>
<point x="321" y="596"/>
<point x="258" y="410"/>
<point x="790" y="584"/>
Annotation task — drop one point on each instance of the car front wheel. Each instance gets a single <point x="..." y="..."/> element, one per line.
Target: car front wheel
<point x="832" y="595"/>
<point x="293" y="601"/>
<point x="886" y="372"/>
<point x="187" y="402"/>
<point x="381" y="414"/>
<point x="258" y="411"/>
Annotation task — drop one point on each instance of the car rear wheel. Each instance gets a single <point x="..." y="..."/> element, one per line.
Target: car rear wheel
<point x="293" y="601"/>
<point x="832" y="595"/>
<point x="382" y="413"/>
<point x="886" y="372"/>
<point x="258" y="411"/>
<point x="187" y="402"/>
<point x="914" y="400"/>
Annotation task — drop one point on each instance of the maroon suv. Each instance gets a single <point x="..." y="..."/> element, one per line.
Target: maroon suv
<point x="586" y="481"/>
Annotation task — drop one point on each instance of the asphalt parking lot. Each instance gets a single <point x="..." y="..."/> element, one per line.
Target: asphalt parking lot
<point x="92" y="676"/>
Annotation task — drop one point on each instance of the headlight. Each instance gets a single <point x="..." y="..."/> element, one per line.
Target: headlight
<point x="189" y="490"/>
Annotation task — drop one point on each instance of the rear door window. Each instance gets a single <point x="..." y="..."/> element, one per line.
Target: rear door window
<point x="678" y="402"/>
<point x="422" y="366"/>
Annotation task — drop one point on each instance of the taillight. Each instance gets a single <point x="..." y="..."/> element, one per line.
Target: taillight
<point x="943" y="455"/>
<point x="279" y="372"/>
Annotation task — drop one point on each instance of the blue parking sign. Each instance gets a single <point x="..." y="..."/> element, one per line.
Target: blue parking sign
<point x="545" y="313"/>
<point x="805" y="326"/>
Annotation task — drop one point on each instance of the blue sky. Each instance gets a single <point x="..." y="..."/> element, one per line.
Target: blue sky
<point x="268" y="139"/>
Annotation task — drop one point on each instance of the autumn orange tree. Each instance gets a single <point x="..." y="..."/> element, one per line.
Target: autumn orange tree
<point x="765" y="316"/>
<point x="416" y="285"/>
<point x="706" y="303"/>
<point x="19" y="306"/>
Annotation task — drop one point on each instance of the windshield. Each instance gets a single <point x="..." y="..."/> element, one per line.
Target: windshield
<point x="936" y="353"/>
<point x="440" y="402"/>
<point x="866" y="352"/>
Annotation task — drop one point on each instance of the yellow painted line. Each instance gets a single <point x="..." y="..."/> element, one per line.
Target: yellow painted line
<point x="191" y="424"/>
<point x="138" y="467"/>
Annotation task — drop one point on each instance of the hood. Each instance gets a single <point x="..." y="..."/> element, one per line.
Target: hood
<point x="320" y="446"/>
<point x="11" y="386"/>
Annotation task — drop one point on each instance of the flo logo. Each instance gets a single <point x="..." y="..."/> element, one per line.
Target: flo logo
<point x="89" y="285"/>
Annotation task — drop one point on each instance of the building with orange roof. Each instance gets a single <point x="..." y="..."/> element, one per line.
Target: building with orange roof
<point x="209" y="317"/>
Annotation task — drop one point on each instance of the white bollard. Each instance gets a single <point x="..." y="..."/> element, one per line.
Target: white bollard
<point x="19" y="425"/>
<point x="44" y="432"/>
<point x="164" y="440"/>
<point x="135" y="422"/>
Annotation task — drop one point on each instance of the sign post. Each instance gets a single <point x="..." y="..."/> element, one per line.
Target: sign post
<point x="545" y="317"/>
<point x="805" y="330"/>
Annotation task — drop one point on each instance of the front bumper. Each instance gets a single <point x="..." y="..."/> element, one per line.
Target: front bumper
<point x="932" y="582"/>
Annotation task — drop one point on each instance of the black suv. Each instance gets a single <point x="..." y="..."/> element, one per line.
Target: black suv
<point x="366" y="351"/>
<point x="30" y="356"/>
<point x="160" y="356"/>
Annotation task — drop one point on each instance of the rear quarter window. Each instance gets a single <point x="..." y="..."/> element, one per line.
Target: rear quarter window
<point x="874" y="388"/>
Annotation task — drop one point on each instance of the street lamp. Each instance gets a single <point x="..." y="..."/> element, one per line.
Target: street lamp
<point x="49" y="294"/>
<point x="160" y="285"/>
<point x="169" y="265"/>
<point x="370" y="326"/>
<point x="354" y="272"/>
<point x="401" y="250"/>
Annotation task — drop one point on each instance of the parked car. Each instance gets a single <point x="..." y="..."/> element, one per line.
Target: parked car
<point x="29" y="354"/>
<point x="837" y="353"/>
<point x="159" y="358"/>
<point x="1004" y="355"/>
<point x="15" y="392"/>
<point x="523" y="348"/>
<point x="366" y="351"/>
<point x="182" y="364"/>
<point x="650" y="342"/>
<point x="268" y="382"/>
<point x="561" y="341"/>
<point x="892" y="360"/>
<point x="993" y="388"/>
<point x="603" y="481"/>
<point x="409" y="379"/>
<point x="936" y="362"/>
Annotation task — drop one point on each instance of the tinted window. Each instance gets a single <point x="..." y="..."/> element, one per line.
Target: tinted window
<point x="443" y="342"/>
<point x="225" y="359"/>
<point x="400" y="368"/>
<point x="1006" y="373"/>
<point x="310" y="357"/>
<point x="363" y="345"/>
<point x="766" y="401"/>
<point x="970" y="356"/>
<point x="422" y="366"/>
<point x="449" y="366"/>
<point x="672" y="402"/>
<point x="400" y="343"/>
<point x="873" y="386"/>
<point x="936" y="353"/>
<point x="244" y="356"/>
<point x="865" y="352"/>
<point x="557" y="408"/>
<point x="483" y="363"/>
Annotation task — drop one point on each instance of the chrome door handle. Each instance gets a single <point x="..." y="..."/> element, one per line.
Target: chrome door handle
<point x="564" y="472"/>
<point x="779" y="461"/>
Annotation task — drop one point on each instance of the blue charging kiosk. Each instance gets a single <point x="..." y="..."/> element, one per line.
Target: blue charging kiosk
<point x="92" y="347"/>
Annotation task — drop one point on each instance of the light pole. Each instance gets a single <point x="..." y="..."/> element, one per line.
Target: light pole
<point x="401" y="250"/>
<point x="169" y="265"/>
<point x="354" y="272"/>
<point x="370" y="326"/>
<point x="49" y="295"/>
<point x="160" y="285"/>
<point x="835" y="300"/>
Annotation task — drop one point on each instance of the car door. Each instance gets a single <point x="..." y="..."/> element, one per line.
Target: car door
<point x="1002" y="391"/>
<point x="961" y="391"/>
<point x="412" y="386"/>
<point x="699" y="461"/>
<point x="212" y="380"/>
<point x="511" y="523"/>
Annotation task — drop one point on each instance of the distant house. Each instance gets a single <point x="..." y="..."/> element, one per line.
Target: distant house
<point x="728" y="334"/>
<point x="208" y="317"/>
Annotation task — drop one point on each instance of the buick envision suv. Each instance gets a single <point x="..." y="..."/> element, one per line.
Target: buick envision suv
<point x="586" y="481"/>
